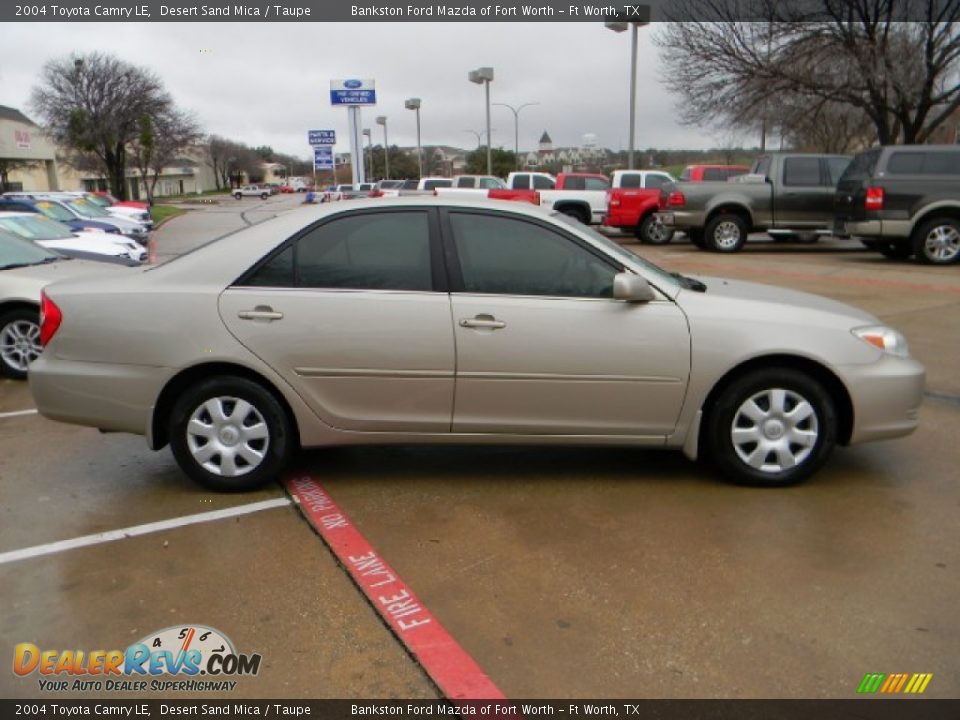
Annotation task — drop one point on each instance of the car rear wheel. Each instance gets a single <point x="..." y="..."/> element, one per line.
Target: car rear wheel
<point x="576" y="212"/>
<point x="238" y="195"/>
<point x="230" y="434"/>
<point x="653" y="232"/>
<point x="726" y="233"/>
<point x="19" y="342"/>
<point x="264" y="196"/>
<point x="772" y="427"/>
<point x="937" y="242"/>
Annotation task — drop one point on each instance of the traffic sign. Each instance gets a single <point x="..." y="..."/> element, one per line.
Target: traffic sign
<point x="322" y="137"/>
<point x="353" y="92"/>
<point x="323" y="158"/>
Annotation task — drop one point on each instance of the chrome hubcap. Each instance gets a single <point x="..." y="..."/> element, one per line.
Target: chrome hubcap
<point x="228" y="436"/>
<point x="20" y="344"/>
<point x="774" y="430"/>
<point x="657" y="232"/>
<point x="943" y="243"/>
<point x="726" y="234"/>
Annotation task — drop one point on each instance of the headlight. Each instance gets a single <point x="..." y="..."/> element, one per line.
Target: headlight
<point x="887" y="339"/>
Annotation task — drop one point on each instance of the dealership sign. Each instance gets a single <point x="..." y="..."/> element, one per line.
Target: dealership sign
<point x="323" y="158"/>
<point x="353" y="92"/>
<point x="322" y="137"/>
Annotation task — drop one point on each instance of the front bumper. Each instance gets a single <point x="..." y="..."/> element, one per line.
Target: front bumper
<point x="886" y="397"/>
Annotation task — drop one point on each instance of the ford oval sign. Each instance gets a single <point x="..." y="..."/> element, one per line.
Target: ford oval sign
<point x="352" y="84"/>
<point x="353" y="91"/>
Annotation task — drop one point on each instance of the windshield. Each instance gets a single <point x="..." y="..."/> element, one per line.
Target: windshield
<point x="35" y="227"/>
<point x="87" y="209"/>
<point x="54" y="211"/>
<point x="663" y="278"/>
<point x="17" y="252"/>
<point x="100" y="202"/>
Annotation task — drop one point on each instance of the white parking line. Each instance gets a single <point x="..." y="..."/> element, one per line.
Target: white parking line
<point x="18" y="413"/>
<point x="136" y="530"/>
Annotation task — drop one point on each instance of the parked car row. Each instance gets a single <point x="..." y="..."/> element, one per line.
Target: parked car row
<point x="80" y="211"/>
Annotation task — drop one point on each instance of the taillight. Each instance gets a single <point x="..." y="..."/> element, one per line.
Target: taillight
<point x="612" y="201"/>
<point x="676" y="199"/>
<point x="874" y="199"/>
<point x="50" y="319"/>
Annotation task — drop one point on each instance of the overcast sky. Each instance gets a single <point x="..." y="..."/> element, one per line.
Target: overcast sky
<point x="268" y="83"/>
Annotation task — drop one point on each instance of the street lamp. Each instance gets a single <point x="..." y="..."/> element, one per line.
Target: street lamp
<point x="484" y="76"/>
<point x="516" y="126"/>
<point x="619" y="27"/>
<point x="382" y="120"/>
<point x="414" y="104"/>
<point x="367" y="133"/>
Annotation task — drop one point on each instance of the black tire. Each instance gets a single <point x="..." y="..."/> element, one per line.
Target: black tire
<point x="696" y="237"/>
<point x="728" y="414"/>
<point x="653" y="232"/>
<point x="895" y="250"/>
<point x="576" y="212"/>
<point x="277" y="448"/>
<point x="871" y="243"/>
<point x="19" y="341"/>
<point x="264" y="196"/>
<point x="937" y="241"/>
<point x="238" y="196"/>
<point x="726" y="233"/>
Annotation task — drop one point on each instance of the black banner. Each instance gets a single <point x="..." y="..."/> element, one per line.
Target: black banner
<point x="854" y="709"/>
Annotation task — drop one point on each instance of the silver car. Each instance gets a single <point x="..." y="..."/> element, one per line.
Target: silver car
<point x="429" y="321"/>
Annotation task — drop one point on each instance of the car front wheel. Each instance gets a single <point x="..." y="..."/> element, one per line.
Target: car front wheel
<point x="937" y="242"/>
<point x="19" y="342"/>
<point x="238" y="195"/>
<point x="772" y="428"/>
<point x="230" y="434"/>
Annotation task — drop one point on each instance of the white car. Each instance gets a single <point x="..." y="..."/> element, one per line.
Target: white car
<point x="133" y="222"/>
<point x="251" y="191"/>
<point x="89" y="244"/>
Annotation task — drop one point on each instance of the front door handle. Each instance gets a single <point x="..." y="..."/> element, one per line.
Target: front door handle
<point x="484" y="322"/>
<point x="260" y="312"/>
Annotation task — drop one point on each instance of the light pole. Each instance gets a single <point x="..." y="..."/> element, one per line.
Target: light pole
<point x="642" y="11"/>
<point x="382" y="120"/>
<point x="368" y="134"/>
<point x="484" y="76"/>
<point x="474" y="132"/>
<point x="414" y="104"/>
<point x="516" y="126"/>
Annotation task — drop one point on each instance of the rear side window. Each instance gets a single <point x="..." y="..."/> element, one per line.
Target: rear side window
<point x="490" y="184"/>
<point x="575" y="183"/>
<point x="924" y="163"/>
<point x="596" y="184"/>
<point x="632" y="181"/>
<point x="380" y="251"/>
<point x="803" y="171"/>
<point x="862" y="166"/>
<point x="521" y="182"/>
<point x="656" y="181"/>
<point x="434" y="184"/>
<point x="711" y="174"/>
<point x="835" y="169"/>
<point x="763" y="166"/>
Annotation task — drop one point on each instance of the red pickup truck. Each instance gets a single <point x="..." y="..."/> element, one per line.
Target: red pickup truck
<point x="633" y="210"/>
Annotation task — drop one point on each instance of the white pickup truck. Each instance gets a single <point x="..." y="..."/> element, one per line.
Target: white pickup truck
<point x="251" y="191"/>
<point x="579" y="195"/>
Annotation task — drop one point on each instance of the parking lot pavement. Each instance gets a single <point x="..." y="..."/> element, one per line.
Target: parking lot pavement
<point x="563" y="572"/>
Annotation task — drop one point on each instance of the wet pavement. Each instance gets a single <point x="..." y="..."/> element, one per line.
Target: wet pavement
<point x="564" y="572"/>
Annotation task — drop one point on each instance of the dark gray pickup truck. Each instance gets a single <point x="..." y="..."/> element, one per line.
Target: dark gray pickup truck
<point x="903" y="200"/>
<point x="785" y="194"/>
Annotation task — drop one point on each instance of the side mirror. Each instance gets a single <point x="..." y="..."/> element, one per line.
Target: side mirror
<point x="632" y="288"/>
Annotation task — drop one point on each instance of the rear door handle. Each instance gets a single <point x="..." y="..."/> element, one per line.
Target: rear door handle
<point x="260" y="312"/>
<point x="485" y="322"/>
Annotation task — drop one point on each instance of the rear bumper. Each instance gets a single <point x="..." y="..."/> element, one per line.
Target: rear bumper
<point x="875" y="228"/>
<point x="681" y="219"/>
<point x="112" y="397"/>
<point x="886" y="397"/>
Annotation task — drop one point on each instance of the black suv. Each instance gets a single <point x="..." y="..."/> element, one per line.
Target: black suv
<point x="903" y="200"/>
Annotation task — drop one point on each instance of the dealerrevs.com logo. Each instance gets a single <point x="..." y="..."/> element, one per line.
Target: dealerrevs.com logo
<point x="196" y="656"/>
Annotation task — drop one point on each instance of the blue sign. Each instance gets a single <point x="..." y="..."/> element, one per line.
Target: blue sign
<point x="323" y="158"/>
<point x="322" y="137"/>
<point x="353" y="92"/>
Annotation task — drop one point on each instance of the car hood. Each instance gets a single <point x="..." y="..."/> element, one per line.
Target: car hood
<point x="766" y="299"/>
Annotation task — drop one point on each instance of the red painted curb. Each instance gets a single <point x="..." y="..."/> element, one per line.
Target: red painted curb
<point x="456" y="673"/>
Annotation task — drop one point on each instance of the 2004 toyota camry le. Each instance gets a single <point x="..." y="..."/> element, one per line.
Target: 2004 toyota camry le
<point x="420" y="320"/>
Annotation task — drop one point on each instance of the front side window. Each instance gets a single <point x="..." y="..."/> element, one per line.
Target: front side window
<point x="836" y="166"/>
<point x="762" y="166"/>
<point x="506" y="256"/>
<point x="596" y="184"/>
<point x="631" y="180"/>
<point x="713" y="174"/>
<point x="378" y="251"/>
<point x="656" y="181"/>
<point x="575" y="183"/>
<point x="905" y="163"/>
<point x="434" y="184"/>
<point x="542" y="183"/>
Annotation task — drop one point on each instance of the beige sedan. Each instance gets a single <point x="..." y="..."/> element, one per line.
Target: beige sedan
<point x="422" y="320"/>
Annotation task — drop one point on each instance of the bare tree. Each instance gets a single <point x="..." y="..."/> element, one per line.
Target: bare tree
<point x="160" y="138"/>
<point x="93" y="104"/>
<point x="856" y="56"/>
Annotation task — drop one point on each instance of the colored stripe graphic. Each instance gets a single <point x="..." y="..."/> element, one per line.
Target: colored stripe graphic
<point x="456" y="673"/>
<point x="893" y="683"/>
